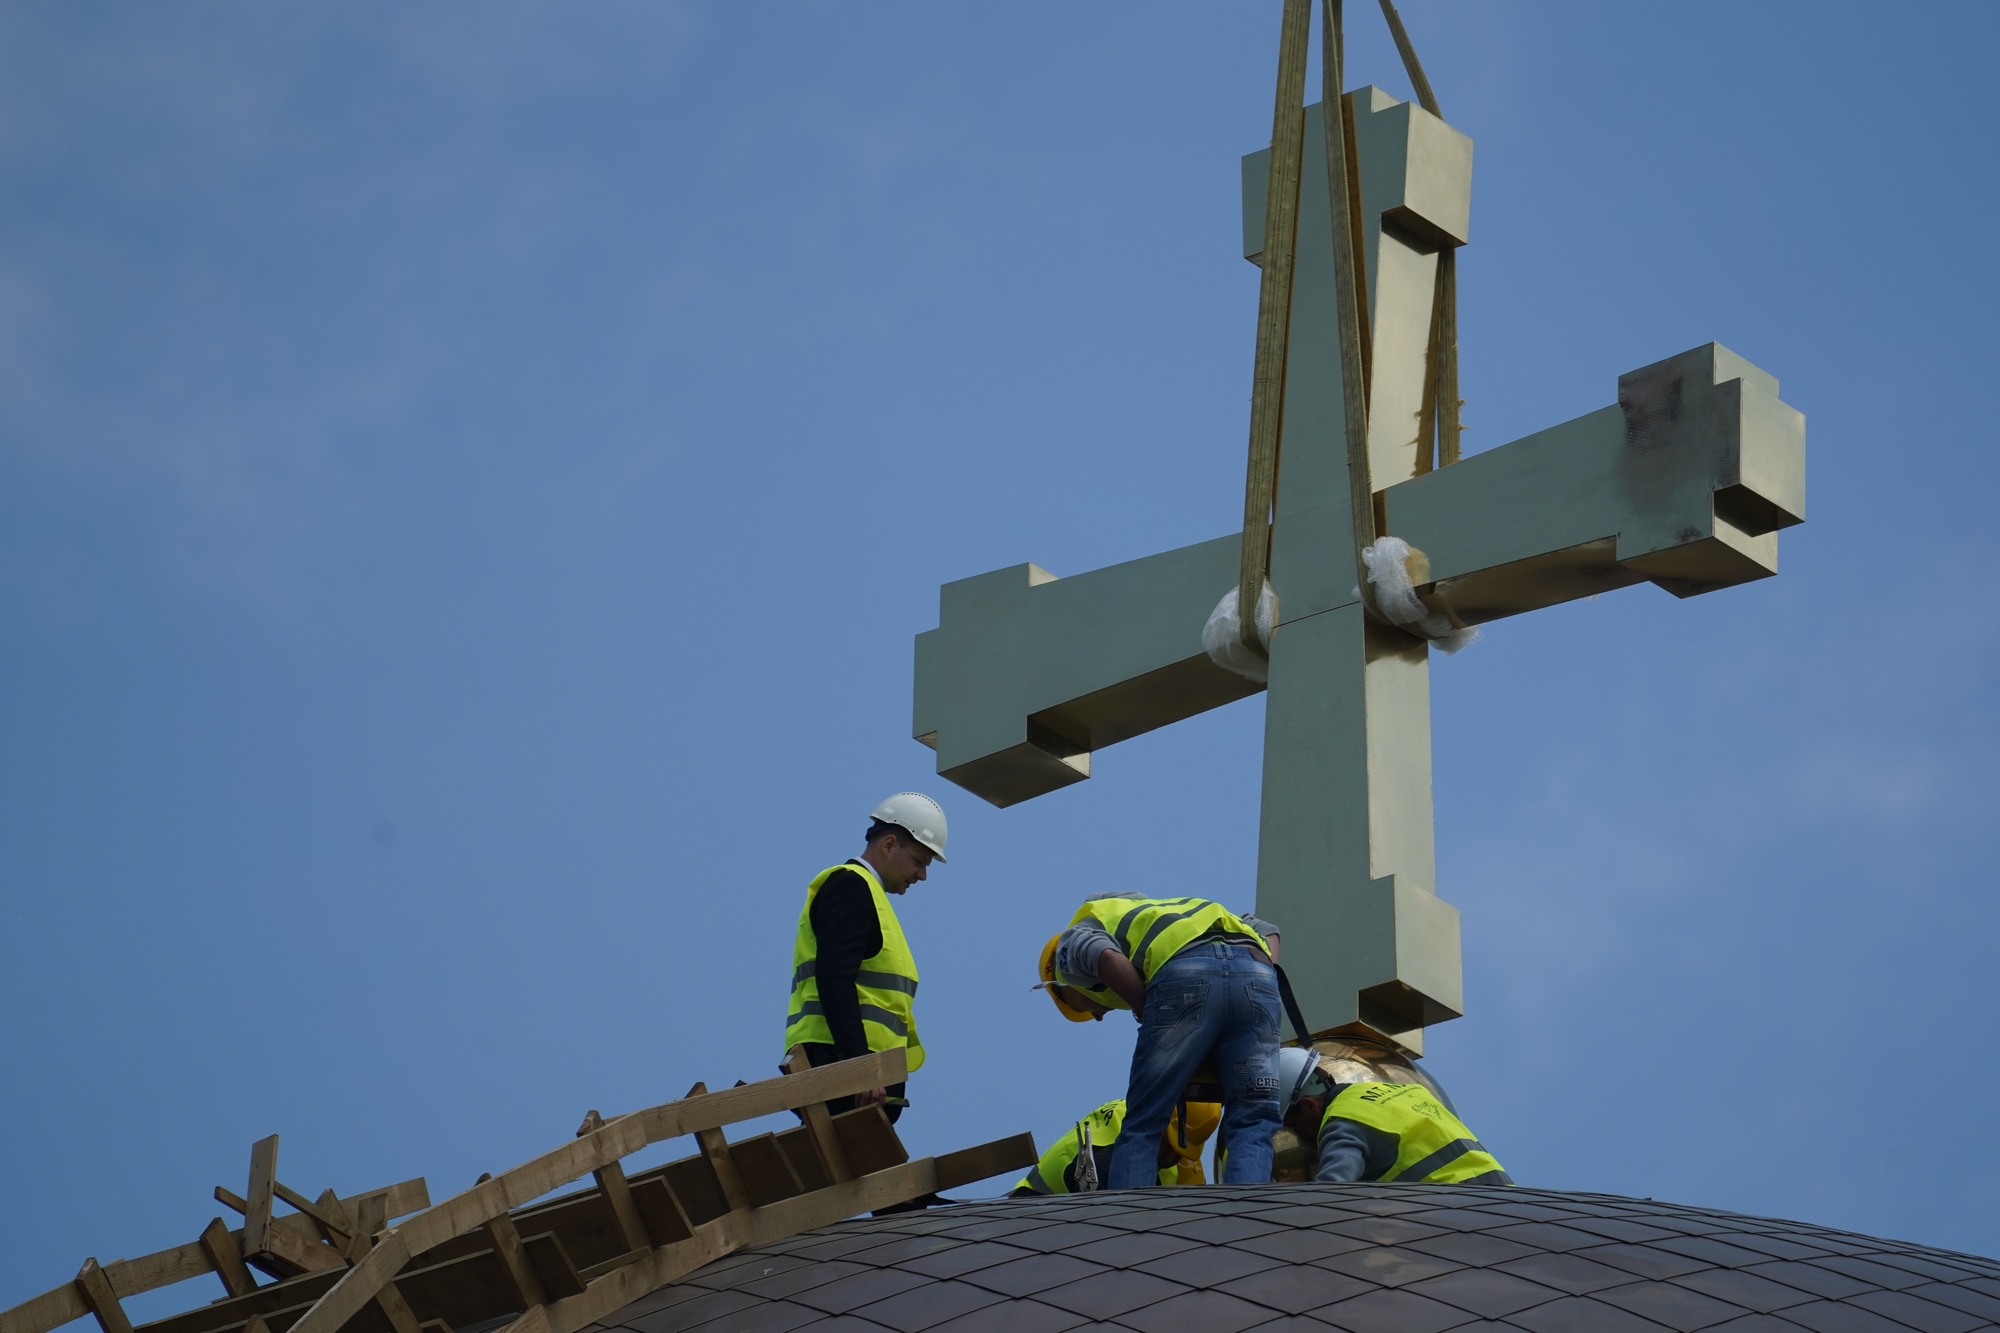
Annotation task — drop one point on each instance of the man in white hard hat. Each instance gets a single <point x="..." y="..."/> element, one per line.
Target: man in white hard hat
<point x="854" y="983"/>
<point x="1406" y="1130"/>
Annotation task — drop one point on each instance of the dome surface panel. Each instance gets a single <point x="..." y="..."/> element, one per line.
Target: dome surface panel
<point x="1304" y="1258"/>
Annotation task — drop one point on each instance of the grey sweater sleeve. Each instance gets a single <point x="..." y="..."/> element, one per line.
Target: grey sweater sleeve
<point x="1351" y="1151"/>
<point x="1077" y="953"/>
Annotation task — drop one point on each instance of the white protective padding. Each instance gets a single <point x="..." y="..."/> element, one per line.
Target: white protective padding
<point x="1222" y="636"/>
<point x="1389" y="560"/>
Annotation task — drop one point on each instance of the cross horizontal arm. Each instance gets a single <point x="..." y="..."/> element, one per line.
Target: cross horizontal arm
<point x="1027" y="673"/>
<point x="1684" y="482"/>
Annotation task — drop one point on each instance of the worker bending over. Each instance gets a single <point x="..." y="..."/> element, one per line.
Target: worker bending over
<point x="854" y="983"/>
<point x="1067" y="1169"/>
<point x="1200" y="981"/>
<point x="1404" y="1132"/>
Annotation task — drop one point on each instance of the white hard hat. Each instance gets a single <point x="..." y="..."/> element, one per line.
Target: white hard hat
<point x="918" y="813"/>
<point x="1295" y="1067"/>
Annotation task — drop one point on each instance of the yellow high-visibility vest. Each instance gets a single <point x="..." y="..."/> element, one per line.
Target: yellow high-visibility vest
<point x="1432" y="1144"/>
<point x="1052" y="1174"/>
<point x="886" y="986"/>
<point x="1149" y="931"/>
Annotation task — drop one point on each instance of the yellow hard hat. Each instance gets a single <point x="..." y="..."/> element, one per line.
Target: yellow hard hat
<point x="1049" y="983"/>
<point x="1203" y="1118"/>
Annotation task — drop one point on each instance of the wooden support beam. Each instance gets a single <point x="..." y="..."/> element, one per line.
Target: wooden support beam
<point x="666" y="1220"/>
<point x="819" y="1121"/>
<point x="520" y="1273"/>
<point x="397" y="1310"/>
<point x="257" y="1202"/>
<point x="803" y="1156"/>
<point x="333" y="1224"/>
<point x="103" y="1302"/>
<point x="220" y="1246"/>
<point x="596" y="1271"/>
<point x="370" y="1215"/>
<point x="618" y="1138"/>
<point x="128" y="1277"/>
<point x="715" y="1146"/>
<point x="767" y="1177"/>
<point x="985" y="1161"/>
<point x="287" y="1254"/>
<point x="617" y="1192"/>
<point x="341" y="1234"/>
<point x="734" y="1231"/>
<point x="552" y="1265"/>
<point x="870" y="1140"/>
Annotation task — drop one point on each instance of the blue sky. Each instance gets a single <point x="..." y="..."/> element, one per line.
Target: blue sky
<point x="469" y="477"/>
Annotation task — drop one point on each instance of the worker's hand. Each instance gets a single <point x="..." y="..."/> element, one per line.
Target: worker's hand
<point x="872" y="1097"/>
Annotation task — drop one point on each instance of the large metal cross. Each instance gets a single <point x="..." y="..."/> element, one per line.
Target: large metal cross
<point x="1683" y="483"/>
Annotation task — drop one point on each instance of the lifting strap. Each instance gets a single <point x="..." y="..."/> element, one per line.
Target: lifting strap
<point x="1274" y="314"/>
<point x="1441" y="401"/>
<point x="1439" y="418"/>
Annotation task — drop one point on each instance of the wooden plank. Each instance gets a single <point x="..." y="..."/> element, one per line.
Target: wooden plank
<point x="465" y="1291"/>
<point x="521" y="1275"/>
<point x="552" y="1265"/>
<point x="51" y="1309"/>
<point x="987" y="1160"/>
<point x="869" y="1139"/>
<point x="819" y="1123"/>
<point x="370" y="1215"/>
<point x="403" y="1198"/>
<point x="583" y="1221"/>
<point x="129" y="1277"/>
<point x="715" y="1147"/>
<point x="334" y="1228"/>
<point x="103" y="1302"/>
<point x="767" y="1177"/>
<point x="267" y="1301"/>
<point x="618" y="1138"/>
<point x="898" y="1184"/>
<point x="287" y="1254"/>
<point x="595" y="1271"/>
<point x="665" y="1220"/>
<point x="617" y="1192"/>
<point x="802" y="1150"/>
<point x="693" y="1182"/>
<point x="396" y="1310"/>
<point x="399" y="1200"/>
<point x="257" y="1201"/>
<point x="279" y="1321"/>
<point x="222" y="1251"/>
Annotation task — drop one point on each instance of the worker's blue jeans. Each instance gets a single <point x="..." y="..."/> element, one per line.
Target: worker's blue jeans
<point x="1210" y="998"/>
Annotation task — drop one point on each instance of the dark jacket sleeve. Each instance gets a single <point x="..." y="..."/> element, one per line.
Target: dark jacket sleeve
<point x="843" y="921"/>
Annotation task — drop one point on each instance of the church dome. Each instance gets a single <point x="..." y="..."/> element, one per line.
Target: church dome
<point x="1304" y="1258"/>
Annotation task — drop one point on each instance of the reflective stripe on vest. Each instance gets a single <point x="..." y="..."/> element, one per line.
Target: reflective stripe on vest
<point x="1432" y="1145"/>
<point x="1149" y="931"/>
<point x="885" y="988"/>
<point x="1052" y="1174"/>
